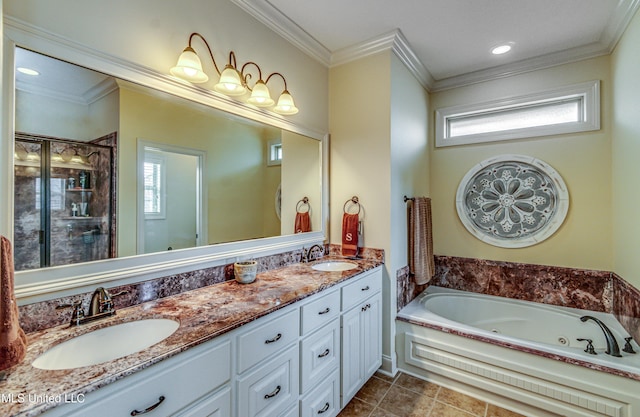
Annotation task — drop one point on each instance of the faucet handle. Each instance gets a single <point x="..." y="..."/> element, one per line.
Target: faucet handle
<point x="78" y="311"/>
<point x="627" y="346"/>
<point x="589" y="349"/>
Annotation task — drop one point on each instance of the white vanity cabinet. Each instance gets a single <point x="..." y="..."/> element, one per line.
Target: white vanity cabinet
<point x="267" y="378"/>
<point x="320" y="356"/>
<point x="361" y="332"/>
<point x="307" y="359"/>
<point x="194" y="384"/>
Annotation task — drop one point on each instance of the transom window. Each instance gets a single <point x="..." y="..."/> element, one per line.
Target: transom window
<point x="569" y="109"/>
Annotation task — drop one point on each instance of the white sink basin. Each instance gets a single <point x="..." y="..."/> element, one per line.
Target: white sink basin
<point x="106" y="344"/>
<point x="332" y="266"/>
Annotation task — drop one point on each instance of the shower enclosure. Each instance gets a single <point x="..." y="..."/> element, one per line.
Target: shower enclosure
<point x="64" y="201"/>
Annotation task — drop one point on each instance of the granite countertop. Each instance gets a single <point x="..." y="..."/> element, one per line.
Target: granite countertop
<point x="203" y="314"/>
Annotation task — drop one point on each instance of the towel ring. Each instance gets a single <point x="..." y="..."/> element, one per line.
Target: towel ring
<point x="301" y="204"/>
<point x="353" y="200"/>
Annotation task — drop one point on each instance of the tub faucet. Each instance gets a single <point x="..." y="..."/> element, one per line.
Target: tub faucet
<point x="612" y="346"/>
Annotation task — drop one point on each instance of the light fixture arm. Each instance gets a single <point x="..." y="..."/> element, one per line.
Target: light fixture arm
<point x="247" y="76"/>
<point x="209" y="49"/>
<point x="281" y="76"/>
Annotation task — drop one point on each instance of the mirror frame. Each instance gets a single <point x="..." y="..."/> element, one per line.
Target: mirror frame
<point x="52" y="282"/>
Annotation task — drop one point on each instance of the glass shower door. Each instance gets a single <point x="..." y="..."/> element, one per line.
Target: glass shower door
<point x="28" y="253"/>
<point x="63" y="203"/>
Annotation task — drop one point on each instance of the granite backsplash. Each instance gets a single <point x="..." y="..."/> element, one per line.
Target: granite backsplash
<point x="43" y="315"/>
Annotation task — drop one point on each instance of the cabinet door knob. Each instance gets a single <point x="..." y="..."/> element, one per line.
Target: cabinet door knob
<point x="272" y="393"/>
<point x="150" y="408"/>
<point x="275" y="339"/>
<point x="325" y="311"/>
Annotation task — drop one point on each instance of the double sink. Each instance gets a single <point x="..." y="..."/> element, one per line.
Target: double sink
<point x="116" y="341"/>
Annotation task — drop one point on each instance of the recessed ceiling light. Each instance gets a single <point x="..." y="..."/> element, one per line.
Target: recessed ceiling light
<point x="28" y="71"/>
<point x="501" y="49"/>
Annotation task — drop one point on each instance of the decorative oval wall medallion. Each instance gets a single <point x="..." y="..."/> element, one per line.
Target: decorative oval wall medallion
<point x="512" y="201"/>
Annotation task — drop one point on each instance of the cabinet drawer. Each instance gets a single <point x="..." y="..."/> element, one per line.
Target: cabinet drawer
<point x="216" y="405"/>
<point x="361" y="289"/>
<point x="323" y="401"/>
<point x="266" y="338"/>
<point x="320" y="312"/>
<point x="180" y="381"/>
<point x="319" y="355"/>
<point x="270" y="389"/>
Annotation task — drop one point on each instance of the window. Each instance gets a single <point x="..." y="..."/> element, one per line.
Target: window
<point x="569" y="109"/>
<point x="154" y="187"/>
<point x="274" y="153"/>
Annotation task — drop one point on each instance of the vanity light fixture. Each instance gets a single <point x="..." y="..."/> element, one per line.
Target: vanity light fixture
<point x="233" y="82"/>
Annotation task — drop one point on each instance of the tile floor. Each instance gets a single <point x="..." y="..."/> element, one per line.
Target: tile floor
<point x="407" y="396"/>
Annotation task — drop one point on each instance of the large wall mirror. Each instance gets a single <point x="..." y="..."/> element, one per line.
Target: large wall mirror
<point x="110" y="174"/>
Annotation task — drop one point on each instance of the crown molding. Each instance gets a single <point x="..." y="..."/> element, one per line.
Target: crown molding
<point x="520" y="67"/>
<point x="274" y="19"/>
<point x="265" y="12"/>
<point x="394" y="41"/>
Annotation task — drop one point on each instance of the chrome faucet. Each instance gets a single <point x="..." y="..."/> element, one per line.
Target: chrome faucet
<point x="308" y="254"/>
<point x="101" y="306"/>
<point x="612" y="345"/>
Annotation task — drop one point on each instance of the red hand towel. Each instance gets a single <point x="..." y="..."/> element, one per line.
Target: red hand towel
<point x="13" y="342"/>
<point x="303" y="223"/>
<point x="349" y="234"/>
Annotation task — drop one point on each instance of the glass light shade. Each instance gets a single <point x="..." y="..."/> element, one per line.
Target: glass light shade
<point x="230" y="82"/>
<point x="260" y="95"/>
<point x="285" y="104"/>
<point x="189" y="67"/>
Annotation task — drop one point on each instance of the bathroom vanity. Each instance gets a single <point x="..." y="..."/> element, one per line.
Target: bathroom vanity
<point x="275" y="347"/>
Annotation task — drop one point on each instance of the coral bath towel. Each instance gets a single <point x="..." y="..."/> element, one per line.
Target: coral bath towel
<point x="13" y="342"/>
<point x="350" y="234"/>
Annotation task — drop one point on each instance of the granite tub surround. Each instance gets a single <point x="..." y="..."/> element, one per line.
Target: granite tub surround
<point x="203" y="314"/>
<point x="407" y="289"/>
<point x="567" y="287"/>
<point x="626" y="306"/>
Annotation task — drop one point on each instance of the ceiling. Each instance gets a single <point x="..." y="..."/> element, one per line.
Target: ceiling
<point x="447" y="43"/>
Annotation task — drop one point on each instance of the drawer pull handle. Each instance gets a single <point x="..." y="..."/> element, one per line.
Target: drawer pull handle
<point x="325" y="353"/>
<point x="366" y="288"/>
<point x="273" y="393"/>
<point x="275" y="339"/>
<point x="149" y="409"/>
<point x="325" y="311"/>
<point x="324" y="409"/>
<point x="366" y="307"/>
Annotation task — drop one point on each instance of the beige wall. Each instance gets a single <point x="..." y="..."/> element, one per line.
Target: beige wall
<point x="583" y="160"/>
<point x="625" y="64"/>
<point x="240" y="186"/>
<point x="49" y="116"/>
<point x="379" y="152"/>
<point x="153" y="33"/>
<point x="301" y="173"/>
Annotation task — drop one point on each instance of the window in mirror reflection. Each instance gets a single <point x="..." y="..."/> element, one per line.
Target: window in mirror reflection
<point x="154" y="187"/>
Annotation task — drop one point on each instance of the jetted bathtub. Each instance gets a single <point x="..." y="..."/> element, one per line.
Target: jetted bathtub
<point x="521" y="350"/>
